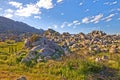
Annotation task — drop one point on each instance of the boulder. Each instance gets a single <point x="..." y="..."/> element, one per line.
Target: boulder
<point x="47" y="52"/>
<point x="27" y="43"/>
<point x="22" y="78"/>
<point x="43" y="47"/>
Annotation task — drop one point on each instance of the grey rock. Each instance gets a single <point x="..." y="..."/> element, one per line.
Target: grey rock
<point x="22" y="78"/>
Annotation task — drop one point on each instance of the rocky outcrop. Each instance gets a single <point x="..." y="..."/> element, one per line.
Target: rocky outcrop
<point x="43" y="48"/>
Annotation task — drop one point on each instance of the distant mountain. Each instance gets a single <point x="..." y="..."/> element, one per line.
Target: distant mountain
<point x="10" y="26"/>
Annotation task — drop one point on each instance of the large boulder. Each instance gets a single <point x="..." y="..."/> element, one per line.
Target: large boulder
<point x="44" y="48"/>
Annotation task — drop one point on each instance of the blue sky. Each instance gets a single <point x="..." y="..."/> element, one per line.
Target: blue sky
<point x="72" y="16"/>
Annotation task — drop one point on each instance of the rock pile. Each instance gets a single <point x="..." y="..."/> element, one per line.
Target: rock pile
<point x="43" y="49"/>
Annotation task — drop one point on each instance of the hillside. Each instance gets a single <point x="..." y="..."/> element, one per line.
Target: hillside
<point x="7" y="25"/>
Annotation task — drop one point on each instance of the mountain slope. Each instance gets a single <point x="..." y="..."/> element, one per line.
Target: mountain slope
<point x="8" y="25"/>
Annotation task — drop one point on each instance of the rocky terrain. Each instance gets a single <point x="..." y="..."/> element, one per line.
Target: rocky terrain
<point x="52" y="44"/>
<point x="53" y="56"/>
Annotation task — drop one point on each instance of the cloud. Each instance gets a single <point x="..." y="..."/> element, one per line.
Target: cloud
<point x="111" y="3"/>
<point x="95" y="1"/>
<point x="62" y="14"/>
<point x="8" y="13"/>
<point x="85" y="20"/>
<point x="58" y="1"/>
<point x="96" y="18"/>
<point x="86" y="10"/>
<point x="92" y="19"/>
<point x="31" y="9"/>
<point x="81" y="4"/>
<point x="55" y="26"/>
<point x="108" y="18"/>
<point x="47" y="4"/>
<point x="119" y="19"/>
<point x="1" y="9"/>
<point x="15" y="4"/>
<point x="118" y="9"/>
<point x="73" y="24"/>
<point x="27" y="11"/>
<point x="37" y="17"/>
<point x="64" y="24"/>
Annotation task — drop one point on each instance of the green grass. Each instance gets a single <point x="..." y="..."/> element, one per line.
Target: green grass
<point x="75" y="67"/>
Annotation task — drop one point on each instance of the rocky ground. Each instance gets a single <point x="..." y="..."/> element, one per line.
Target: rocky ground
<point x="54" y="45"/>
<point x="74" y="50"/>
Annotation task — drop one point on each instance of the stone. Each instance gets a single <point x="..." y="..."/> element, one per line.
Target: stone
<point x="113" y="49"/>
<point x="22" y="78"/>
<point x="27" y="43"/>
<point x="37" y="48"/>
<point x="98" y="59"/>
<point x="104" y="57"/>
<point x="47" y="52"/>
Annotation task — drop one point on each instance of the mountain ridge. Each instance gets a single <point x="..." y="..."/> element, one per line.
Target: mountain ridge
<point x="8" y="25"/>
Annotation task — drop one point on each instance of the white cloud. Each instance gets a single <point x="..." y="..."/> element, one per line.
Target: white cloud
<point x="1" y="9"/>
<point x="92" y="19"/>
<point x="115" y="2"/>
<point x="81" y="4"/>
<point x="58" y="1"/>
<point x="62" y="14"/>
<point x="119" y="19"/>
<point x="111" y="3"/>
<point x="85" y="20"/>
<point x="47" y="4"/>
<point x="8" y="13"/>
<point x="108" y="18"/>
<point x="37" y="17"/>
<point x="15" y="4"/>
<point x="64" y="24"/>
<point x="55" y="26"/>
<point x="31" y="9"/>
<point x="86" y="10"/>
<point x="76" y="23"/>
<point x="95" y="1"/>
<point x="96" y="18"/>
<point x="73" y="24"/>
<point x="118" y="9"/>
<point x="28" y="10"/>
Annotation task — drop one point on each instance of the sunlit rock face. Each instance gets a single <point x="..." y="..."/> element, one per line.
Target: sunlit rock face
<point x="44" y="48"/>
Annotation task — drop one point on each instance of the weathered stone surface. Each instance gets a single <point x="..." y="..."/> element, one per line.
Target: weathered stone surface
<point x="22" y="78"/>
<point x="27" y="43"/>
<point x="43" y="47"/>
